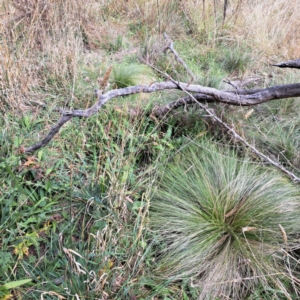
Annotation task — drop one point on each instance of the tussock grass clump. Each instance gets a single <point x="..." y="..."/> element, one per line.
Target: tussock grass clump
<point x="235" y="59"/>
<point x="212" y="78"/>
<point x="218" y="217"/>
<point x="125" y="75"/>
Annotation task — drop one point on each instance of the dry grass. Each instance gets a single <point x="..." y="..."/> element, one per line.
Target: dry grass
<point x="50" y="49"/>
<point x="43" y="42"/>
<point x="269" y="27"/>
<point x="156" y="15"/>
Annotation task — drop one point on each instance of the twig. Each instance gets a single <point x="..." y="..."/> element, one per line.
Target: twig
<point x="224" y="11"/>
<point x="230" y="83"/>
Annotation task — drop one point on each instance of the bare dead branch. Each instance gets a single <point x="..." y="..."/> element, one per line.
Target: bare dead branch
<point x="289" y="64"/>
<point x="203" y="94"/>
<point x="225" y="10"/>
<point x="53" y="131"/>
<point x="170" y="46"/>
<point x="256" y="99"/>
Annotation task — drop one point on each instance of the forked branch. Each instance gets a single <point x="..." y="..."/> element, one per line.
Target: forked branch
<point x="170" y="46"/>
<point x="202" y="94"/>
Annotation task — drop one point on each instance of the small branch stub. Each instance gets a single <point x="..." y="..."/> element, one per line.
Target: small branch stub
<point x="289" y="64"/>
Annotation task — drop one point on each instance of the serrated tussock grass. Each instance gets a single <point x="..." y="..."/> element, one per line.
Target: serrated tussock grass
<point x="218" y="217"/>
<point x="125" y="75"/>
<point x="235" y="59"/>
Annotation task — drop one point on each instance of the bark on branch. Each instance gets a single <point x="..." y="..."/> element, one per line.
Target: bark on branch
<point x="254" y="97"/>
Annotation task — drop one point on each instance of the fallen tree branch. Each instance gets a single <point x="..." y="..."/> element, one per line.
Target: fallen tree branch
<point x="257" y="98"/>
<point x="203" y="94"/>
<point x="241" y="139"/>
<point x="53" y="131"/>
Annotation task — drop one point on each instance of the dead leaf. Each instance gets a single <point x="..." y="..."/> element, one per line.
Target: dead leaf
<point x="128" y="199"/>
<point x="249" y="113"/>
<point x="235" y="209"/>
<point x="245" y="229"/>
<point x="284" y="236"/>
<point x="22" y="149"/>
<point x="56" y="217"/>
<point x="51" y="293"/>
<point x="31" y="160"/>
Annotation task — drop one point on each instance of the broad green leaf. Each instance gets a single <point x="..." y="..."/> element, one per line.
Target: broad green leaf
<point x="14" y="284"/>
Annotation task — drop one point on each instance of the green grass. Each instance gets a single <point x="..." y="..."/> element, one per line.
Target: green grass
<point x="274" y="128"/>
<point x="218" y="217"/>
<point x="74" y="215"/>
<point x="235" y="59"/>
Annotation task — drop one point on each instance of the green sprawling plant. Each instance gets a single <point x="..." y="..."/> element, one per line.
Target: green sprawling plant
<point x="4" y="289"/>
<point x="73" y="217"/>
<point x="225" y="223"/>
